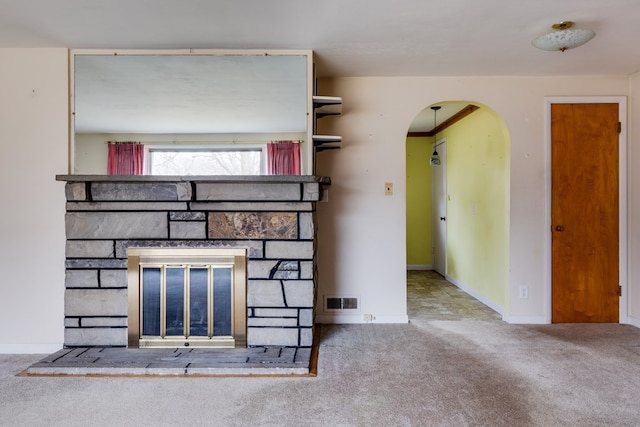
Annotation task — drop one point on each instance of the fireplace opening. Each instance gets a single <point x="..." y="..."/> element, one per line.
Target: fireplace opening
<point x="181" y="297"/>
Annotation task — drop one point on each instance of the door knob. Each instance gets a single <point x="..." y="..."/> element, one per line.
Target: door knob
<point x="559" y="228"/>
<point x="442" y="218"/>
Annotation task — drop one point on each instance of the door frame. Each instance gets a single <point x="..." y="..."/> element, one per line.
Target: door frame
<point x="435" y="221"/>
<point x="622" y="194"/>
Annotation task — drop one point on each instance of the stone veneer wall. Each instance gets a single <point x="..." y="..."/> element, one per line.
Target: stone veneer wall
<point x="273" y="217"/>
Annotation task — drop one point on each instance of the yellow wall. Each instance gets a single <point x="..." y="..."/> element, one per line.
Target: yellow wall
<point x="419" y="202"/>
<point x="477" y="215"/>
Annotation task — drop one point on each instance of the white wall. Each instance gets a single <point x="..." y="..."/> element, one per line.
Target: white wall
<point x="33" y="137"/>
<point x="362" y="232"/>
<point x="633" y="219"/>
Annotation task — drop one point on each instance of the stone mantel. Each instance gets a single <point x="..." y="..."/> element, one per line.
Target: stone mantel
<point x="210" y="178"/>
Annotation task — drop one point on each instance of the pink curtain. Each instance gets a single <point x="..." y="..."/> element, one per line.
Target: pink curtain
<point x="283" y="158"/>
<point x="125" y="159"/>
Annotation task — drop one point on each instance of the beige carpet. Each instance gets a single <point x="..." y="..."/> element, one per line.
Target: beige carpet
<point x="441" y="373"/>
<point x="426" y="373"/>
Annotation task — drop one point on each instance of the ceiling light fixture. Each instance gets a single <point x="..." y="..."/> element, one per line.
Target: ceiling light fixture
<point x="563" y="37"/>
<point x="435" y="158"/>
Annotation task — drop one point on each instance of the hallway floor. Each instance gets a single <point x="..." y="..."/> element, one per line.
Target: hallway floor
<point x="431" y="297"/>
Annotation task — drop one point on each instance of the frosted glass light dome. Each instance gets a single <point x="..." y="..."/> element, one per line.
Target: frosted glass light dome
<point x="563" y="38"/>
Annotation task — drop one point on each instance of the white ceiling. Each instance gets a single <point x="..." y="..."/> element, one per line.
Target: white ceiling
<point x="349" y="38"/>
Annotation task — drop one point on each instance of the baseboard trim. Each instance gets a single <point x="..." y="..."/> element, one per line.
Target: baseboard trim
<point x="635" y="321"/>
<point x="344" y="319"/>
<point x="419" y="267"/>
<point x="29" y="348"/>
<point x="526" y="320"/>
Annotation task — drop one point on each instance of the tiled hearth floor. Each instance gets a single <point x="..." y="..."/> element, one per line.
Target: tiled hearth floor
<point x="430" y="297"/>
<point x="181" y="362"/>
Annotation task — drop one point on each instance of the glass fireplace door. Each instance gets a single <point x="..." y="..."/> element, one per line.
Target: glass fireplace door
<point x="189" y="303"/>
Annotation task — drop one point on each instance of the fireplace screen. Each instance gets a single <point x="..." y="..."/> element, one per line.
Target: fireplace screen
<point x="187" y="297"/>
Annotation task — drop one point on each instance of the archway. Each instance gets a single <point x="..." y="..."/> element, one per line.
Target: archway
<point x="476" y="172"/>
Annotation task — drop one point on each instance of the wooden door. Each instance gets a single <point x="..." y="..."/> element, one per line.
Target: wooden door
<point x="584" y="212"/>
<point x="439" y="212"/>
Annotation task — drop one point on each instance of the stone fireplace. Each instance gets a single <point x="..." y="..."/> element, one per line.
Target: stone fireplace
<point x="272" y="218"/>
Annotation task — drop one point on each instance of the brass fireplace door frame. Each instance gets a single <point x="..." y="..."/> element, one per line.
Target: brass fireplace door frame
<point x="234" y="257"/>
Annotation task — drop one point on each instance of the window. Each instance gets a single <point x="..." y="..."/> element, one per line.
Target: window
<point x="221" y="160"/>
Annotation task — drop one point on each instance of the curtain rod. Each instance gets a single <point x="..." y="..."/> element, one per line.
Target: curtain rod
<point x="299" y="141"/>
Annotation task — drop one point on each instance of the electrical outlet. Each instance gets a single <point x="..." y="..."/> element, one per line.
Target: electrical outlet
<point x="388" y="188"/>
<point x="524" y="292"/>
<point x="368" y="317"/>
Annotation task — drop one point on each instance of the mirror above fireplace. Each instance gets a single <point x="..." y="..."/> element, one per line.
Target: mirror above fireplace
<point x="185" y="97"/>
